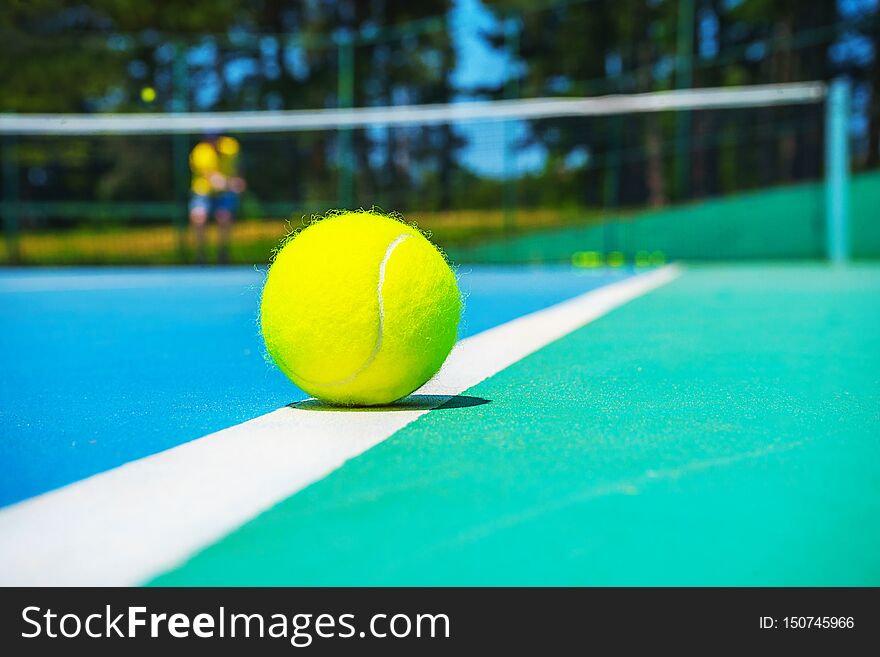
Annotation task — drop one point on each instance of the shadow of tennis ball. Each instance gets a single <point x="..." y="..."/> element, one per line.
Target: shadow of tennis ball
<point x="410" y="403"/>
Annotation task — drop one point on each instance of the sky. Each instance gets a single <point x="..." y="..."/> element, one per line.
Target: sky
<point x="476" y="62"/>
<point x="491" y="149"/>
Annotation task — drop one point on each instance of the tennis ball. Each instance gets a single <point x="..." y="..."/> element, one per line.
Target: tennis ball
<point x="359" y="309"/>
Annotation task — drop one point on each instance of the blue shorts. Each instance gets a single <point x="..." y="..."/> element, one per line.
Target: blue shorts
<point x="222" y="201"/>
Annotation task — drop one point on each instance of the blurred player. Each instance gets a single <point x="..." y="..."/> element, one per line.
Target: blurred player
<point x="216" y="186"/>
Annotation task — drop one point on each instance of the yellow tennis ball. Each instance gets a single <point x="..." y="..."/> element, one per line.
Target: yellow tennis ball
<point x="359" y="309"/>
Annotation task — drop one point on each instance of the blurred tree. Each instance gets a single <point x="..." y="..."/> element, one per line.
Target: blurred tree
<point x="68" y="56"/>
<point x="71" y="56"/>
<point x="582" y="47"/>
<point x="595" y="48"/>
<point x="872" y="159"/>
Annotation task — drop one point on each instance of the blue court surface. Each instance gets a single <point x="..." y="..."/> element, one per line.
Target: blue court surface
<point x="104" y="366"/>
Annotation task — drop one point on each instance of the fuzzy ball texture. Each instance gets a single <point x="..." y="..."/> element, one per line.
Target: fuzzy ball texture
<point x="359" y="309"/>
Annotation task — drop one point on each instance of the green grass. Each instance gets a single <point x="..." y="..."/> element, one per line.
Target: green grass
<point x="252" y="240"/>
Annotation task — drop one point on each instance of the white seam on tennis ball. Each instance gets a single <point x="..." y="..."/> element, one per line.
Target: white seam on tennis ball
<point x="379" y="337"/>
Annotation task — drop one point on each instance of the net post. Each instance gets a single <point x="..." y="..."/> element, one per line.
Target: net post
<point x="179" y="150"/>
<point x="837" y="171"/>
<point x="10" y="199"/>
<point x="683" y="80"/>
<point x="511" y="91"/>
<point x="345" y="93"/>
<point x="611" y="181"/>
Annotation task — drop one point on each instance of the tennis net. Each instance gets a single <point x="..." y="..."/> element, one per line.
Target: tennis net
<point x="699" y="173"/>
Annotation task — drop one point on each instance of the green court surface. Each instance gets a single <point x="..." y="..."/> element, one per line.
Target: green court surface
<point x="721" y="430"/>
<point x="781" y="223"/>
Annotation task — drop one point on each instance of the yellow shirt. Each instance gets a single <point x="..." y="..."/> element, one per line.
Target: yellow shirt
<point x="208" y="160"/>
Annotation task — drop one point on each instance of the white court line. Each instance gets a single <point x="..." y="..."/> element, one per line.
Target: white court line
<point x="123" y="526"/>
